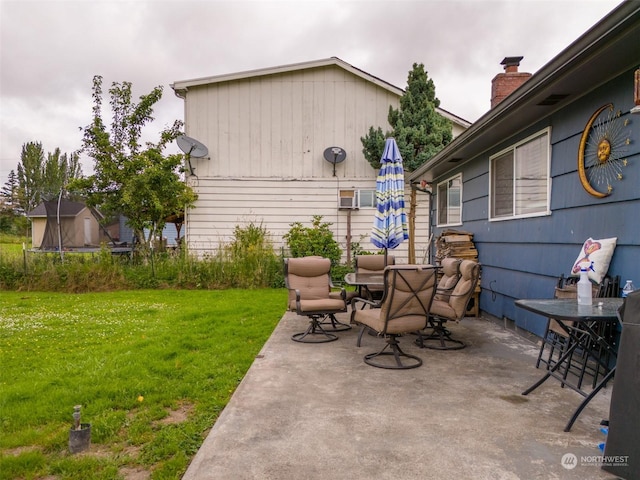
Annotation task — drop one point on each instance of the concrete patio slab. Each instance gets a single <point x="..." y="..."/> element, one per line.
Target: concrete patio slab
<point x="319" y="412"/>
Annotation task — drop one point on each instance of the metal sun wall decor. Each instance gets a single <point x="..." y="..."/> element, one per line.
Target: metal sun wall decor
<point x="601" y="151"/>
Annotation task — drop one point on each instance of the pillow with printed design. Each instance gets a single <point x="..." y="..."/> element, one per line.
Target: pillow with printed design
<point x="599" y="252"/>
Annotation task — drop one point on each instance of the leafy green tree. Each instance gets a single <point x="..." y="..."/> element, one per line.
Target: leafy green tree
<point x="418" y="128"/>
<point x="129" y="179"/>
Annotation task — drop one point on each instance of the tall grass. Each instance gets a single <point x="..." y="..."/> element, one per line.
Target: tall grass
<point x="248" y="261"/>
<point x="151" y="368"/>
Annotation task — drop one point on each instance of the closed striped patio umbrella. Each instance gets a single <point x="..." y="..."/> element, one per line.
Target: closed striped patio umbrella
<point x="390" y="222"/>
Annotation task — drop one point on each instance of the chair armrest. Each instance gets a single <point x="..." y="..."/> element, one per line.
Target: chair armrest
<point x="373" y="303"/>
<point x="298" y="306"/>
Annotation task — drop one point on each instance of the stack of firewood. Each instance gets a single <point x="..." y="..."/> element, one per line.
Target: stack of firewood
<point x="456" y="243"/>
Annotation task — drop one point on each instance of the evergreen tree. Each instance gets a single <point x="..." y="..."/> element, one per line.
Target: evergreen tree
<point x="30" y="176"/>
<point x="10" y="189"/>
<point x="420" y="131"/>
<point x="43" y="179"/>
<point x="58" y="170"/>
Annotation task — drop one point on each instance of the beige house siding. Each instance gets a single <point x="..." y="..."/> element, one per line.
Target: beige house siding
<point x="279" y="125"/>
<point x="276" y="204"/>
<point x="266" y="132"/>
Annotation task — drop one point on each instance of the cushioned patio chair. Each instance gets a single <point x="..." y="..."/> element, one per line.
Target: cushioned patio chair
<point x="450" y="307"/>
<point x="404" y="308"/>
<point x="372" y="264"/>
<point x="308" y="280"/>
<point x="450" y="276"/>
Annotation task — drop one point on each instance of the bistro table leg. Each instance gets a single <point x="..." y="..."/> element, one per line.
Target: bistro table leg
<point x="549" y="373"/>
<point x="588" y="398"/>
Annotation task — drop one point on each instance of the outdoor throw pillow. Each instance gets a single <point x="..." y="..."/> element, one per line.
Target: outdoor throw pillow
<point x="599" y="252"/>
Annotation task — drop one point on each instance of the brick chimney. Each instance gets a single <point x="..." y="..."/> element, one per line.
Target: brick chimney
<point x="504" y="83"/>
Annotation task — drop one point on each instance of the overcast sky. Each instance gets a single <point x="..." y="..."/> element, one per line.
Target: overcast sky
<point x="51" y="49"/>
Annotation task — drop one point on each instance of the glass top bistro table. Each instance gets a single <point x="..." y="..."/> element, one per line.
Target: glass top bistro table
<point x="364" y="281"/>
<point x="583" y="327"/>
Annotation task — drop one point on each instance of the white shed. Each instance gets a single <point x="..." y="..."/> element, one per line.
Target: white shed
<point x="267" y="130"/>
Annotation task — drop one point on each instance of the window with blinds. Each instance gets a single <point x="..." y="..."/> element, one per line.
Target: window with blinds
<point x="449" y="201"/>
<point x="520" y="179"/>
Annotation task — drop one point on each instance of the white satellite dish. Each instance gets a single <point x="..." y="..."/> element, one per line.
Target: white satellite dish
<point x="192" y="148"/>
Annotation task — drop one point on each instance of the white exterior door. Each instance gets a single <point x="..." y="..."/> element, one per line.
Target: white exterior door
<point x="87" y="231"/>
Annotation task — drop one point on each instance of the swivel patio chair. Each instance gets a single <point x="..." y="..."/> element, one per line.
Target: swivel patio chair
<point x="450" y="307"/>
<point x="450" y="276"/>
<point x="372" y="264"/>
<point x="404" y="308"/>
<point x="308" y="280"/>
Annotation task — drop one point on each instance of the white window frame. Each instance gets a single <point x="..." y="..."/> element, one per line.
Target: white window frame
<point x="373" y="197"/>
<point x="522" y="208"/>
<point x="453" y="212"/>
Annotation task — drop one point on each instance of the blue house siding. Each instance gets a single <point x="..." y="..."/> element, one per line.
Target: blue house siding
<point x="522" y="258"/>
<point x="169" y="232"/>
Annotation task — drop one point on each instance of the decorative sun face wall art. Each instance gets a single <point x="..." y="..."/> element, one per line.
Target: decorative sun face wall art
<point x="601" y="153"/>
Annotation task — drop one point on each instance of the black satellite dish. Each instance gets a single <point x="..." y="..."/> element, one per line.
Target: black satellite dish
<point x="335" y="155"/>
<point x="192" y="148"/>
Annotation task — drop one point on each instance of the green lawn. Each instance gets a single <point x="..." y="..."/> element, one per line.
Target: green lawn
<point x="11" y="249"/>
<point x="151" y="368"/>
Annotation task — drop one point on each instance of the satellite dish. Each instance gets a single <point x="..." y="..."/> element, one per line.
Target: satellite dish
<point x="335" y="155"/>
<point x="192" y="148"/>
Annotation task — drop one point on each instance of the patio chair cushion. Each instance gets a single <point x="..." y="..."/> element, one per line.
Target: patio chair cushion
<point x="320" y="305"/>
<point x="463" y="290"/>
<point x="450" y="276"/>
<point x="372" y="318"/>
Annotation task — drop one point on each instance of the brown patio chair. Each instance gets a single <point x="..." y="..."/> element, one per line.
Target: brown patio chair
<point x="450" y="307"/>
<point x="372" y="264"/>
<point x="450" y="276"/>
<point x="404" y="308"/>
<point x="308" y="280"/>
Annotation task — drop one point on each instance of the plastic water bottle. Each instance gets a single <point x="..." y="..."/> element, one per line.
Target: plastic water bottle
<point x="584" y="285"/>
<point x="628" y="288"/>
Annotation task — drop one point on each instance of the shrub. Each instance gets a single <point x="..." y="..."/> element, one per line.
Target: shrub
<point x="315" y="240"/>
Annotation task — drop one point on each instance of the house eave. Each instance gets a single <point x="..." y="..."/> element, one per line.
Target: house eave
<point x="184" y="85"/>
<point x="608" y="49"/>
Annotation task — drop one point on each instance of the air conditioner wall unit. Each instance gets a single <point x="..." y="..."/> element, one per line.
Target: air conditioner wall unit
<point x="348" y="200"/>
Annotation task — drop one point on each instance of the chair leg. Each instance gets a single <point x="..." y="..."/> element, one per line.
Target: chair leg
<point x="314" y="333"/>
<point x="396" y="352"/>
<point x="439" y="338"/>
<point x="360" y="333"/>
<point x="336" y="326"/>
